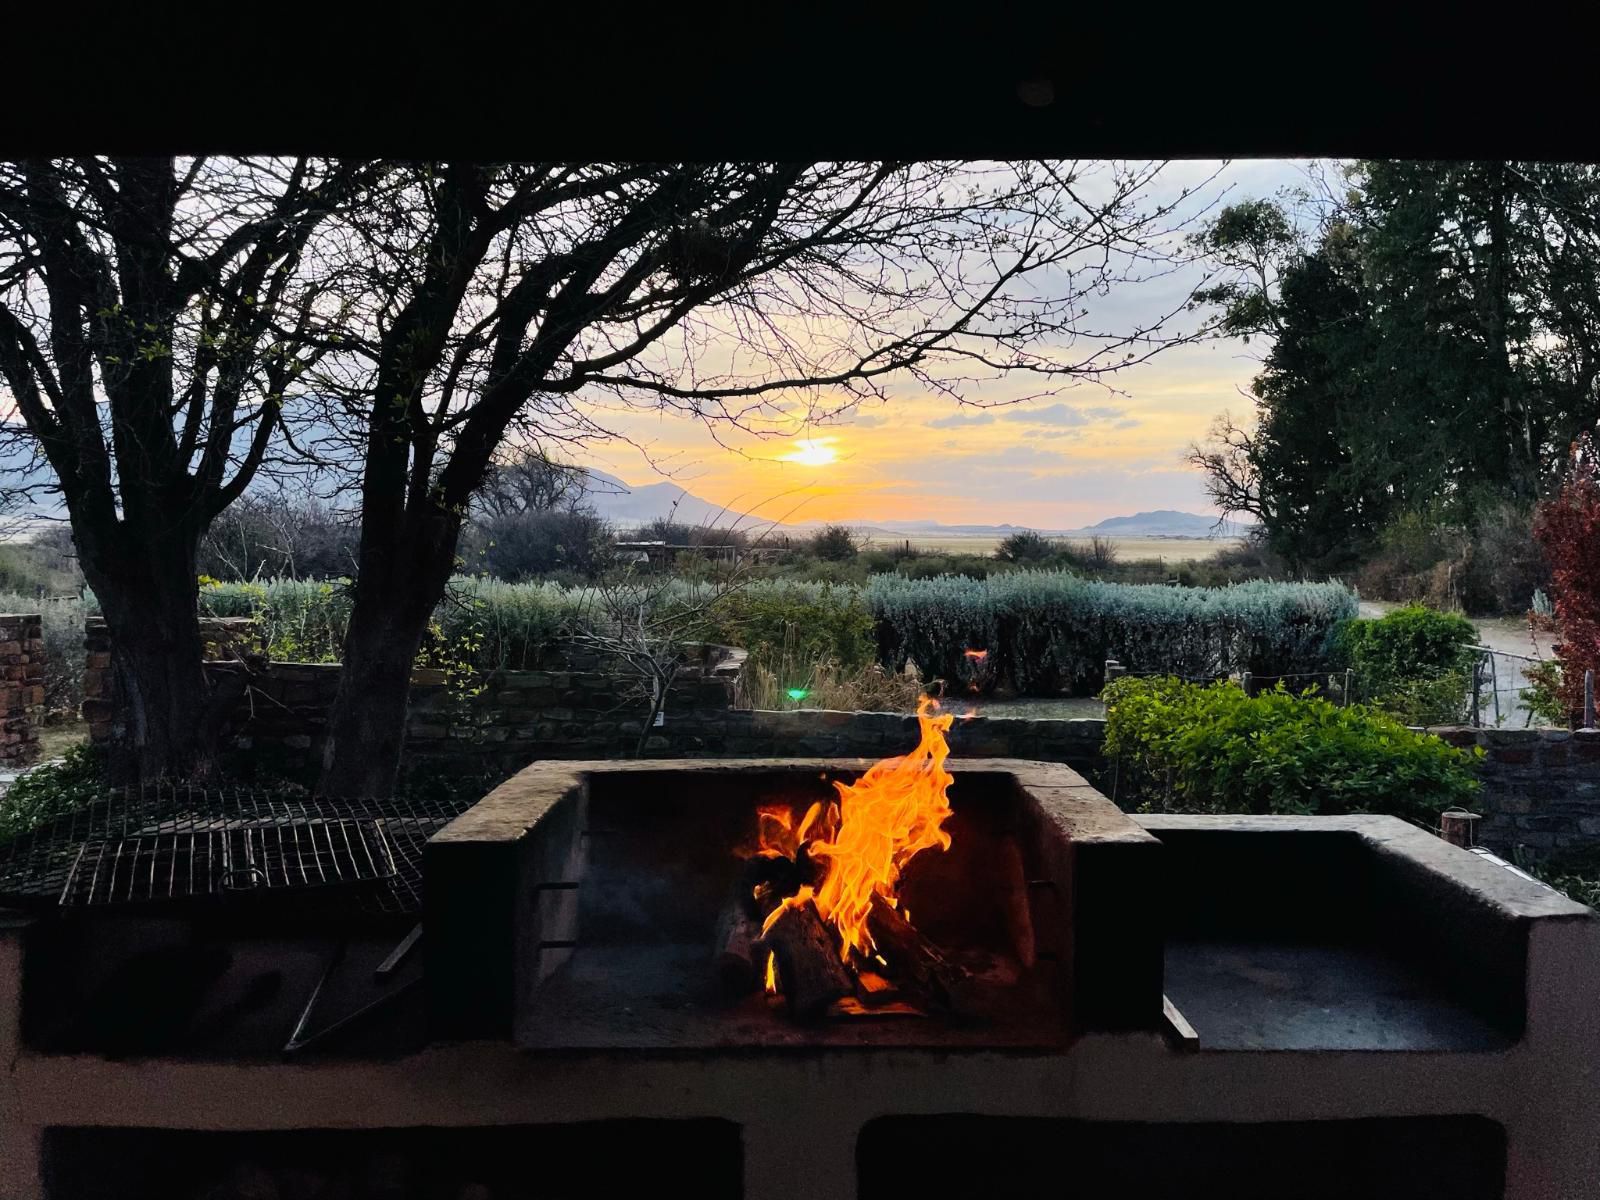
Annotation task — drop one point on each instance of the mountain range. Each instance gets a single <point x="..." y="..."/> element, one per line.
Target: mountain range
<point x="624" y="504"/>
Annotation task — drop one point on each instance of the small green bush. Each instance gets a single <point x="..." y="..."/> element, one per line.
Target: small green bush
<point x="50" y="791"/>
<point x="1179" y="747"/>
<point x="812" y="621"/>
<point x="1414" y="663"/>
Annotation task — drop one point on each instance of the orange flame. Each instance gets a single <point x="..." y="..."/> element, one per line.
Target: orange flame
<point x="976" y="656"/>
<point x="886" y="818"/>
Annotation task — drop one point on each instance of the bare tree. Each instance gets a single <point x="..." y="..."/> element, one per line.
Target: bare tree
<point x="1228" y="465"/>
<point x="645" y="622"/>
<point x="154" y="324"/>
<point x="495" y="301"/>
<point x="529" y="481"/>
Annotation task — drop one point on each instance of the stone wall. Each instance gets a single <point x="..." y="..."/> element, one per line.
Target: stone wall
<point x="1541" y="787"/>
<point x="21" y="687"/>
<point x="518" y="717"/>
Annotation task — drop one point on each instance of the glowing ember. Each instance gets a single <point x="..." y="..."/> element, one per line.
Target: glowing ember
<point x="772" y="974"/>
<point x="977" y="656"/>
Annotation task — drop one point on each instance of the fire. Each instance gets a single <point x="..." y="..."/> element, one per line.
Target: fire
<point x="977" y="656"/>
<point x="885" y="819"/>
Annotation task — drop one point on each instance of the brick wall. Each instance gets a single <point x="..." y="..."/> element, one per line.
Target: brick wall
<point x="21" y="687"/>
<point x="1541" y="787"/>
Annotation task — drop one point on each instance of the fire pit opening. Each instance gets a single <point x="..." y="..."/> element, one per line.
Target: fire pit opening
<point x="667" y="950"/>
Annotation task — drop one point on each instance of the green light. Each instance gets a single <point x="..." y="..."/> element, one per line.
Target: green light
<point x="798" y="693"/>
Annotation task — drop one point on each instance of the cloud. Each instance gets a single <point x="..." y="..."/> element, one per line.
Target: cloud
<point x="1061" y="414"/>
<point x="957" y="420"/>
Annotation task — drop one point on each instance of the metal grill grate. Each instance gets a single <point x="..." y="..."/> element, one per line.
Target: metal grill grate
<point x="168" y="844"/>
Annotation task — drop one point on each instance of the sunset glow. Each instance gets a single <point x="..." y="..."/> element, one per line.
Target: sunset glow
<point x="812" y="452"/>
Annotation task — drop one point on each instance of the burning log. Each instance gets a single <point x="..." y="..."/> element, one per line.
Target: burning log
<point x="809" y="970"/>
<point x="912" y="954"/>
<point x="738" y="963"/>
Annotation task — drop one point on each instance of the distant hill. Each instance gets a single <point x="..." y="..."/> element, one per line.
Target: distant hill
<point x="629" y="505"/>
<point x="1165" y="522"/>
<point x="1161" y="523"/>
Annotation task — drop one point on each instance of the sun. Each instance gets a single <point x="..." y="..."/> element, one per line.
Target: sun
<point x="812" y="452"/>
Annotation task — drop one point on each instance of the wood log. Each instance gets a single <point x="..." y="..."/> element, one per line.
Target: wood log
<point x="739" y="967"/>
<point x="908" y="952"/>
<point x="809" y="971"/>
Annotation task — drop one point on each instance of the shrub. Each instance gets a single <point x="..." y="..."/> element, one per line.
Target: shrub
<point x="1505" y="565"/>
<point x="1543" y="695"/>
<point x="525" y="545"/>
<point x="300" y="620"/>
<point x="1049" y="630"/>
<point x="1575" y="873"/>
<point x="1180" y="747"/>
<point x="1568" y="527"/>
<point x="834" y="543"/>
<point x="815" y="621"/>
<point x="1025" y="546"/>
<point x="494" y="625"/>
<point x="788" y="675"/>
<point x="1413" y="663"/>
<point x="51" y="791"/>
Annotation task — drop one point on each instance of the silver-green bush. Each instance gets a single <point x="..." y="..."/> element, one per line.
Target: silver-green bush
<point x="1048" y="631"/>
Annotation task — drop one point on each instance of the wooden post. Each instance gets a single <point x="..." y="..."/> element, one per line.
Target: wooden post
<point x="1347" y="677"/>
<point x="1244" y="681"/>
<point x="1477" y="673"/>
<point x="1588" y="699"/>
<point x="1459" y="828"/>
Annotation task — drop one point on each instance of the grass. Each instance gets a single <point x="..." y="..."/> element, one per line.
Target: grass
<point x="1173" y="549"/>
<point x="55" y="740"/>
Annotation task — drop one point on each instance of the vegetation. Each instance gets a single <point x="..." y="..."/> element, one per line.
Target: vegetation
<point x="1569" y="529"/>
<point x="1180" y="747"/>
<point x="792" y="674"/>
<point x="155" y="324"/>
<point x="834" y="543"/>
<point x="1576" y="874"/>
<point x="50" y="791"/>
<point x="1413" y="663"/>
<point x="1430" y="338"/>
<point x="1049" y="631"/>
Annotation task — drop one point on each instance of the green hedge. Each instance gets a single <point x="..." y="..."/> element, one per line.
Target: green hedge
<point x="497" y="626"/>
<point x="1179" y="747"/>
<point x="1045" y="631"/>
<point x="1414" y="663"/>
<point x="1049" y="631"/>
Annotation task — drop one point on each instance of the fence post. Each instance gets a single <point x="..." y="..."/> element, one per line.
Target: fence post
<point x="1347" y="681"/>
<point x="1244" y="681"/>
<point x="1494" y="686"/>
<point x="1588" y="699"/>
<point x="1477" y="678"/>
<point x="1459" y="828"/>
<point x="1114" y="670"/>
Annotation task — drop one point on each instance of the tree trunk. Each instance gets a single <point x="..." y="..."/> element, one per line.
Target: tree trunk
<point x="167" y="726"/>
<point x="397" y="588"/>
<point x="366" y="732"/>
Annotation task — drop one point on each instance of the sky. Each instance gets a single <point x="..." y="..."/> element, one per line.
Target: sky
<point x="1059" y="463"/>
<point x="1066" y="461"/>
